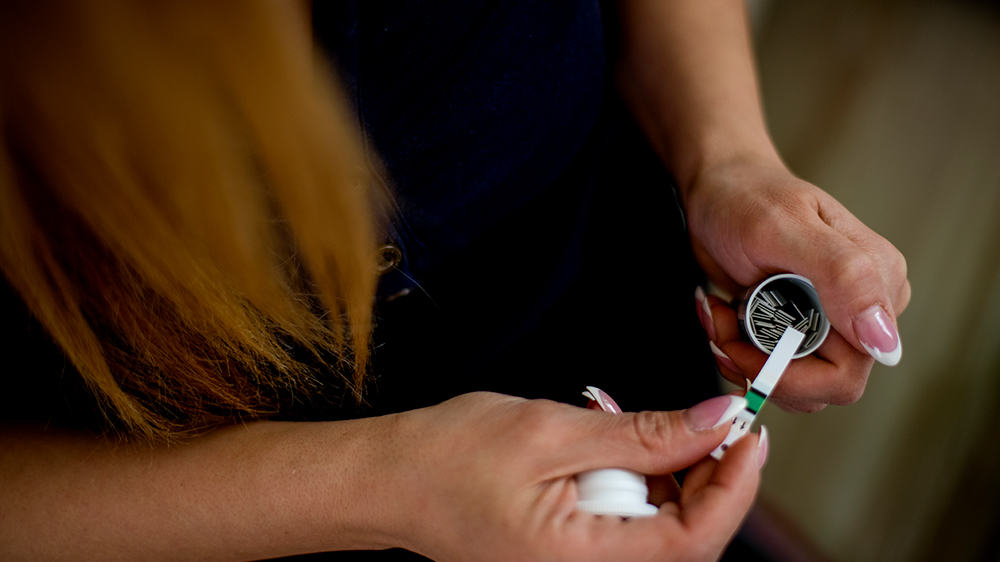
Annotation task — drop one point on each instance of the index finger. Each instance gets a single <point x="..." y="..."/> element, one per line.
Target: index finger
<point x="716" y="496"/>
<point x="708" y="515"/>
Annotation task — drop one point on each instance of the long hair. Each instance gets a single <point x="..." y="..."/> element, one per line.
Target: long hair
<point x="184" y="205"/>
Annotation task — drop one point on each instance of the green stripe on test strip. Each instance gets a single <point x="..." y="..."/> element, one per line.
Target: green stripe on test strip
<point x="755" y="400"/>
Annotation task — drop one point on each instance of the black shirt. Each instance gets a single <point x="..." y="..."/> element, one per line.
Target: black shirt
<point x="543" y="247"/>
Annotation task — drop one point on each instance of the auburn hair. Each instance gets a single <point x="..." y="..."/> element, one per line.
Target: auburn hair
<point x="185" y="205"/>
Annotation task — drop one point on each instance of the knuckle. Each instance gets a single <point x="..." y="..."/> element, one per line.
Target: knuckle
<point x="854" y="270"/>
<point x="897" y="266"/>
<point x="809" y="407"/>
<point x="537" y="420"/>
<point x="799" y="405"/>
<point x="761" y="223"/>
<point x="899" y="270"/>
<point x="691" y="542"/>
<point x="535" y="414"/>
<point x="903" y="297"/>
<point x="851" y="391"/>
<point x="849" y="394"/>
<point x="652" y="430"/>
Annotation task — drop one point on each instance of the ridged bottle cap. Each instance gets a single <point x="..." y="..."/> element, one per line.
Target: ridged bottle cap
<point x="614" y="491"/>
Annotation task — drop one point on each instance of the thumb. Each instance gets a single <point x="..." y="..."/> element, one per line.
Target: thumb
<point x="661" y="442"/>
<point x="854" y="292"/>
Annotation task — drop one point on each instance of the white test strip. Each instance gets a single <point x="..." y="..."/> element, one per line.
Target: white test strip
<point x="762" y="386"/>
<point x="778" y="361"/>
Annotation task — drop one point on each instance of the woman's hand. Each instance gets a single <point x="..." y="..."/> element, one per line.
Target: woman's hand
<point x="491" y="477"/>
<point x="750" y="218"/>
<point x="687" y="72"/>
<point x="481" y="477"/>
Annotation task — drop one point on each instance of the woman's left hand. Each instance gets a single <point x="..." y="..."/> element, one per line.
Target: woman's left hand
<point x="491" y="477"/>
<point x="750" y="218"/>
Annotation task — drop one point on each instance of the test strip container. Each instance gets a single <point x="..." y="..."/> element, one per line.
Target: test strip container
<point x="783" y="317"/>
<point x="781" y="301"/>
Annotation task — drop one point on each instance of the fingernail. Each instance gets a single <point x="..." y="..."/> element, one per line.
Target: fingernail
<point x="723" y="358"/>
<point x="600" y="400"/>
<point x="714" y="412"/>
<point x="705" y="313"/>
<point x="877" y="333"/>
<point x="763" y="446"/>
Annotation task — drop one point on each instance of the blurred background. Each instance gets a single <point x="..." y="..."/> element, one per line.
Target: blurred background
<point x="894" y="108"/>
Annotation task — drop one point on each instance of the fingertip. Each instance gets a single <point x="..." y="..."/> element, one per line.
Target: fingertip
<point x="725" y="322"/>
<point x="876" y="331"/>
<point x="763" y="447"/>
<point x="719" y="292"/>
<point x="739" y="467"/>
<point x="714" y="412"/>
<point x="704" y="313"/>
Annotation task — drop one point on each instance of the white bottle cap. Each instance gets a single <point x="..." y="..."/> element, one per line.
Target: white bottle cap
<point x="614" y="491"/>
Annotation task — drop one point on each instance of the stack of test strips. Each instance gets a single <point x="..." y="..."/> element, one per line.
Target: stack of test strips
<point x="771" y="312"/>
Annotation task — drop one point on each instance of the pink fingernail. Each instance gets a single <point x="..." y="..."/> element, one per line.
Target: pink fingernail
<point x="600" y="400"/>
<point x="763" y="447"/>
<point x="714" y="412"/>
<point x="705" y="313"/>
<point x="877" y="333"/>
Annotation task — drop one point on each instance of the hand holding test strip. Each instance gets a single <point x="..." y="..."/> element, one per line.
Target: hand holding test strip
<point x="762" y="386"/>
<point x="772" y="305"/>
<point x="623" y="492"/>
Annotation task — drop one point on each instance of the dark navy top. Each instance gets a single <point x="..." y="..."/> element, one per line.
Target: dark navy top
<point x="469" y="128"/>
<point x="543" y="248"/>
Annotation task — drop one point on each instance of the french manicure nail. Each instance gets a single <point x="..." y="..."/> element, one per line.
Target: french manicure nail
<point x="600" y="400"/>
<point x="714" y="412"/>
<point x="705" y="313"/>
<point x="877" y="333"/>
<point x="763" y="446"/>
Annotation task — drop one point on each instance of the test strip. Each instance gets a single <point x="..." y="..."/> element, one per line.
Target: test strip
<point x="761" y="387"/>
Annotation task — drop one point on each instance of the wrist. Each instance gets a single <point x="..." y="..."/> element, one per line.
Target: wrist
<point x="726" y="166"/>
<point x="721" y="152"/>
<point x="698" y="140"/>
<point x="325" y="486"/>
<point x="408" y="468"/>
<point x="368" y="492"/>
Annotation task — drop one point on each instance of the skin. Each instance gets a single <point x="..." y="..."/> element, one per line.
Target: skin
<point x="489" y="467"/>
<point x="486" y="476"/>
<point x="688" y="75"/>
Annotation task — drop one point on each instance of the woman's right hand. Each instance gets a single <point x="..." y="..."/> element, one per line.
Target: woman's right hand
<point x="491" y="477"/>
